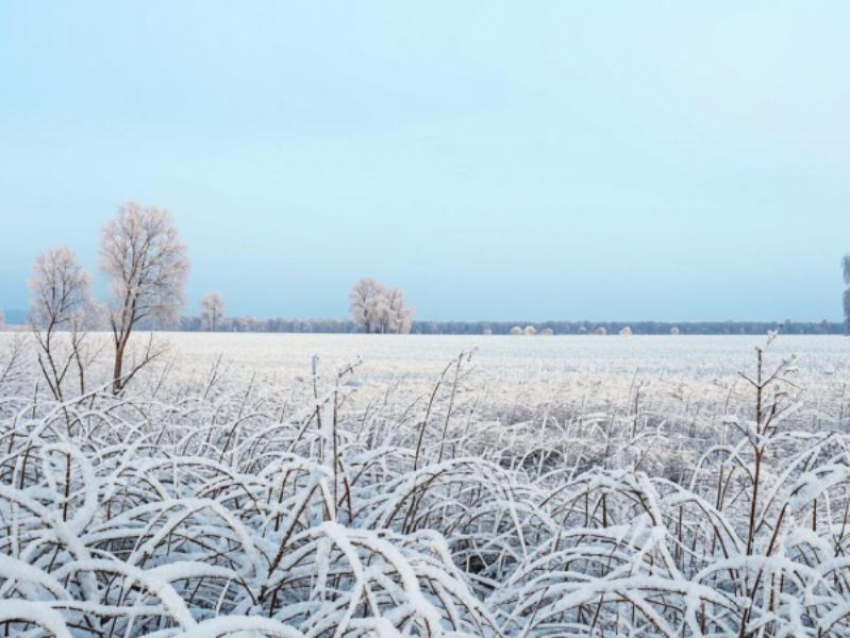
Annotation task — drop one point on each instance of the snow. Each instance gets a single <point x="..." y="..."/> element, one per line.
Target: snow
<point x="35" y="613"/>
<point x="575" y="493"/>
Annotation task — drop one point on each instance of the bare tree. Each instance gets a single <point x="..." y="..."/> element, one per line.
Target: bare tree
<point x="846" y="266"/>
<point x="400" y="316"/>
<point x="146" y="264"/>
<point x="60" y="304"/>
<point x="366" y="301"/>
<point x="212" y="311"/>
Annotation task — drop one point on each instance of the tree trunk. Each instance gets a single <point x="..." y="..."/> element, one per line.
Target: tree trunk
<point x="118" y="367"/>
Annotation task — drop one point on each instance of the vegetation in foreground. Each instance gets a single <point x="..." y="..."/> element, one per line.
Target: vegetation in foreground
<point x="203" y="507"/>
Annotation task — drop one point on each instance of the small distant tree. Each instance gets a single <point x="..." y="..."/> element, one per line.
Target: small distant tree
<point x="600" y="331"/>
<point x="375" y="309"/>
<point x="212" y="311"/>
<point x="675" y="331"/>
<point x="60" y="303"/>
<point x="530" y="331"/>
<point x="846" y="266"/>
<point x="626" y="332"/>
<point x="146" y="265"/>
<point x="366" y="304"/>
<point x="516" y="331"/>
<point x="547" y="332"/>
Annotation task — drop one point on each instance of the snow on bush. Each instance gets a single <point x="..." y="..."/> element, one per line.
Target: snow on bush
<point x="206" y="507"/>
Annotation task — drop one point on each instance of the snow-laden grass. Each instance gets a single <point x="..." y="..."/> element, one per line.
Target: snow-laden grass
<point x="209" y="506"/>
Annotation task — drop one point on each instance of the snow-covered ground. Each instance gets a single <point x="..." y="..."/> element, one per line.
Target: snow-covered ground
<point x="531" y="486"/>
<point x="569" y="356"/>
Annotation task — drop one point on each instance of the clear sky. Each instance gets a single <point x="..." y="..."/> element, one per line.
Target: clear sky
<point x="500" y="160"/>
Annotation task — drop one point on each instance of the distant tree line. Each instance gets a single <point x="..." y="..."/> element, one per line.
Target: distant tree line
<point x="342" y="326"/>
<point x="626" y="327"/>
<point x="254" y="324"/>
<point x="372" y="307"/>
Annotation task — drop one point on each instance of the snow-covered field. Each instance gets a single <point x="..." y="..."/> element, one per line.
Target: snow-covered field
<point x="483" y="486"/>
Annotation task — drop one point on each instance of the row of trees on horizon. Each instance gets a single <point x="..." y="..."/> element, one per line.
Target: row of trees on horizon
<point x="375" y="309"/>
<point x="213" y="319"/>
<point x="348" y="326"/>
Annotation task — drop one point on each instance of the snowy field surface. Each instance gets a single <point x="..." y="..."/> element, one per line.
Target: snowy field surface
<point x="430" y="486"/>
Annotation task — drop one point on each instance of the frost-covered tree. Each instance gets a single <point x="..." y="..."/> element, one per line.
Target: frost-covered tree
<point x="516" y="331"/>
<point x="846" y="265"/>
<point x="366" y="304"/>
<point x="60" y="303"/>
<point x="530" y="330"/>
<point x="212" y="311"/>
<point x="146" y="264"/>
<point x="373" y="308"/>
<point x="399" y="315"/>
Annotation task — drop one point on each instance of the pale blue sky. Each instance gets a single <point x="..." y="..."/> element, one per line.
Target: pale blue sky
<point x="665" y="160"/>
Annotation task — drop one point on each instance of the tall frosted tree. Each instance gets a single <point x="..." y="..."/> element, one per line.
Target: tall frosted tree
<point x="212" y="311"/>
<point x="846" y="265"/>
<point x="146" y="265"/>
